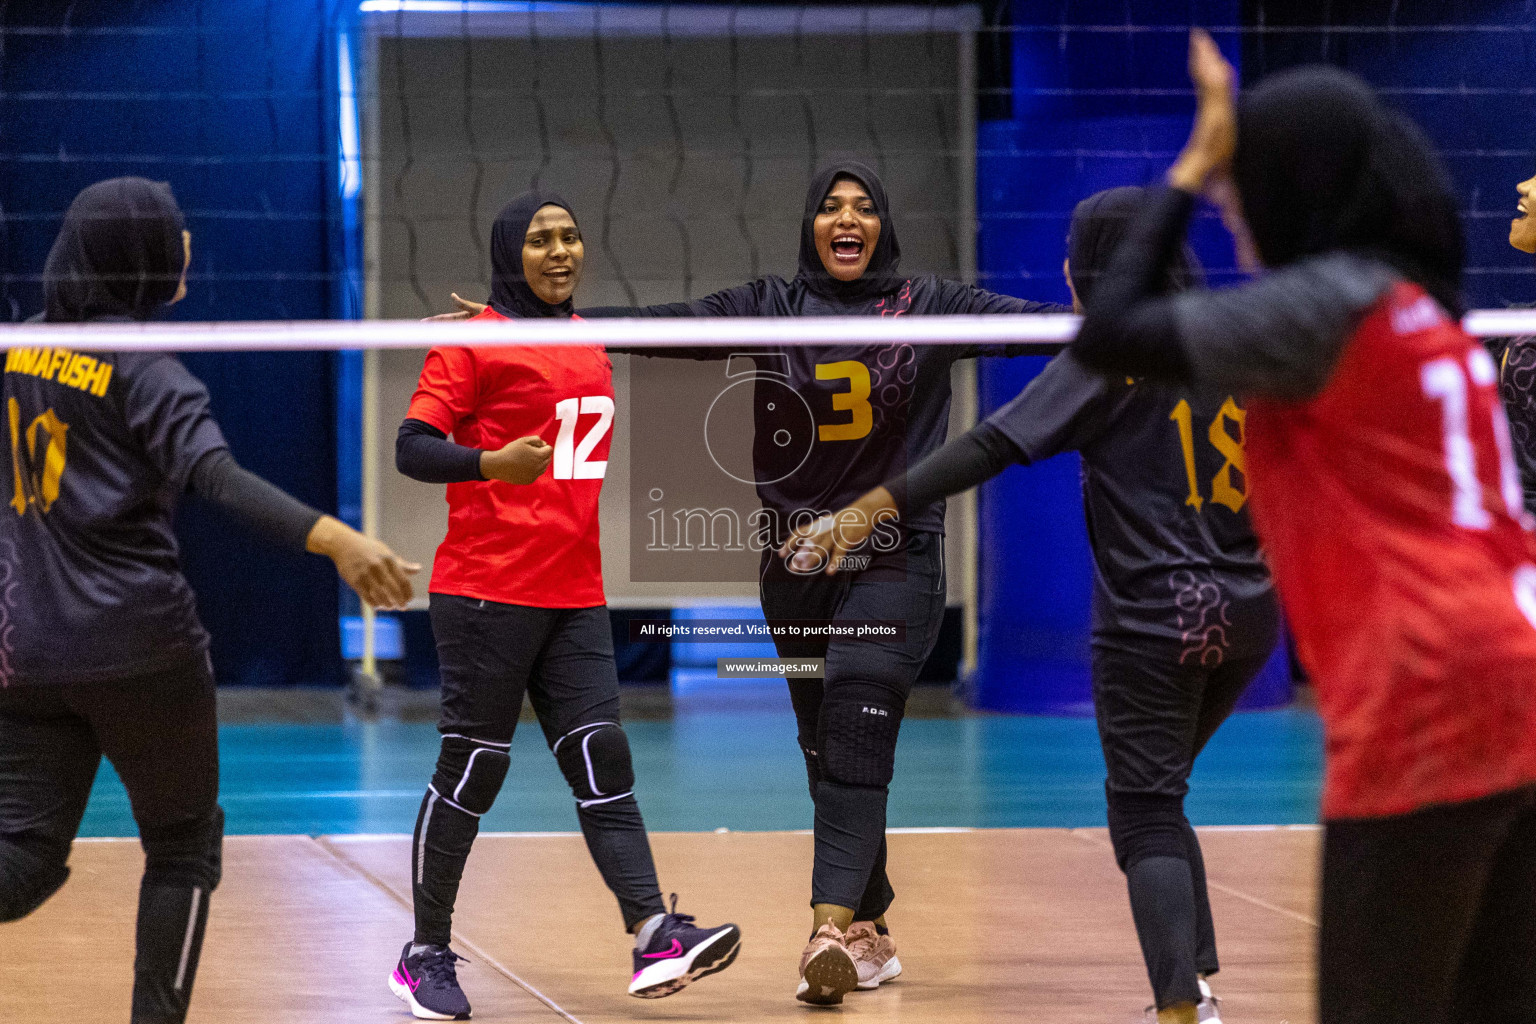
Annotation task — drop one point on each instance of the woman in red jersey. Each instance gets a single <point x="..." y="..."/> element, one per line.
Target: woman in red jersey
<point x="1384" y="492"/>
<point x="518" y="606"/>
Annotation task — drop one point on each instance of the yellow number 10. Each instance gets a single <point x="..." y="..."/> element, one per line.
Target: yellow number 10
<point x="1223" y="490"/>
<point x="32" y="486"/>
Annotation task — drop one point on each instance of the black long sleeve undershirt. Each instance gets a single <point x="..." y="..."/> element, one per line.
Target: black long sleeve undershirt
<point x="268" y="509"/>
<point x="970" y="459"/>
<point x="1277" y="336"/>
<point x="422" y="452"/>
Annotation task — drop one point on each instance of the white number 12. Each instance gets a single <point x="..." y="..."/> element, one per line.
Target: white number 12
<point x="1444" y="381"/>
<point x="571" y="459"/>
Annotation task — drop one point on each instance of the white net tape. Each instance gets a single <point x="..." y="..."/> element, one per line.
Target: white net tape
<point x="1045" y="330"/>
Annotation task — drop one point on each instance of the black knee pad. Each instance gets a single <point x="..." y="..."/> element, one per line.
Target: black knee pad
<point x="812" y="767"/>
<point x="857" y="741"/>
<point x="186" y="854"/>
<point x="470" y="773"/>
<point x="1143" y="825"/>
<point x="596" y="762"/>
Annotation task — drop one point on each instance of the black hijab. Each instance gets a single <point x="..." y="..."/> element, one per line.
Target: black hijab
<point x="1098" y="225"/>
<point x="1322" y="165"/>
<point x="879" y="277"/>
<point x="118" y="255"/>
<point x="510" y="292"/>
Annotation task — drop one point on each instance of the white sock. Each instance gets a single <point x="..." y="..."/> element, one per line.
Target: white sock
<point x="647" y="931"/>
<point x="417" y="948"/>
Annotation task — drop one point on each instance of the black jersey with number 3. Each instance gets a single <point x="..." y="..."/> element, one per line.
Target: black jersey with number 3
<point x="99" y="448"/>
<point x="877" y="409"/>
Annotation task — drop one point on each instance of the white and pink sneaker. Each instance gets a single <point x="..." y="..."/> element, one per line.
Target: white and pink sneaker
<point x="874" y="955"/>
<point x="827" y="971"/>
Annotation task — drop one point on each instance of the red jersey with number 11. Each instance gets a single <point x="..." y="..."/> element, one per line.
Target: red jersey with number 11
<point x="1391" y="512"/>
<point x="530" y="544"/>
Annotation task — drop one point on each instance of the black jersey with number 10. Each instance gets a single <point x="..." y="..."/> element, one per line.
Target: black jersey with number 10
<point x="100" y="446"/>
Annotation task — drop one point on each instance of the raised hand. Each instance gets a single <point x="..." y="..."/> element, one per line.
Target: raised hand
<point x="1213" y="139"/>
<point x="466" y="310"/>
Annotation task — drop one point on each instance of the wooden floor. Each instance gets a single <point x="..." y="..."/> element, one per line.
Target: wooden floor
<point x="996" y="925"/>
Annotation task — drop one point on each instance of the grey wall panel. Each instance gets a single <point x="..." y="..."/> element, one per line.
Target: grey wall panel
<point x="686" y="163"/>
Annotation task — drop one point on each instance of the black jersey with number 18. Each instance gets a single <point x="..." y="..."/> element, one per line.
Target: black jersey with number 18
<point x="1165" y="491"/>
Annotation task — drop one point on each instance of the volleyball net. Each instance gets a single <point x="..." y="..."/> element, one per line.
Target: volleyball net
<point x="1046" y="333"/>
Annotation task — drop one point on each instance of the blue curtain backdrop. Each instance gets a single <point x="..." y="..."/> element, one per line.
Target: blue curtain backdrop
<point x="229" y="101"/>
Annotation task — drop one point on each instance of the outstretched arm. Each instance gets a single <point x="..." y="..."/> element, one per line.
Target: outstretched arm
<point x="1064" y="408"/>
<point x="967" y="299"/>
<point x="742" y="300"/>
<point x="167" y="411"/>
<point x="970" y="459"/>
<point x="956" y="299"/>
<point x="466" y="310"/>
<point x="379" y="576"/>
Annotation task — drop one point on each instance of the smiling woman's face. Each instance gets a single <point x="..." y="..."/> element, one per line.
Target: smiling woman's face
<point x="846" y="230"/>
<point x="1522" y="230"/>
<point x="552" y="255"/>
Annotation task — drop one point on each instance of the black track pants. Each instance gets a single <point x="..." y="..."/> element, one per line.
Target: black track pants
<point x="847" y="765"/>
<point x="491" y="655"/>
<point x="161" y="734"/>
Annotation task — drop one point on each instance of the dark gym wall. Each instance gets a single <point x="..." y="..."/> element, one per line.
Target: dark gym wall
<point x="228" y="100"/>
<point x="1470" y="90"/>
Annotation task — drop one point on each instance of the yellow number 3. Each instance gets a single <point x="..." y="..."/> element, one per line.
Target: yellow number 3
<point x="44" y="486"/>
<point x="854" y="401"/>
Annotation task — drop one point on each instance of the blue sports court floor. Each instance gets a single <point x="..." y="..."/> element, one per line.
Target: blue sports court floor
<point x="705" y="767"/>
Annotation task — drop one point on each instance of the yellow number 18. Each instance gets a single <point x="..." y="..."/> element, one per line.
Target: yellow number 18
<point x="1223" y="490"/>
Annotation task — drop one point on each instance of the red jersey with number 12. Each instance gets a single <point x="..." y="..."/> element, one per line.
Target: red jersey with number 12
<point x="531" y="544"/>
<point x="1391" y="511"/>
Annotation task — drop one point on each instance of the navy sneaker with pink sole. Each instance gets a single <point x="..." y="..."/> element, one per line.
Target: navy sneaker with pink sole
<point x="680" y="954"/>
<point x="429" y="984"/>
